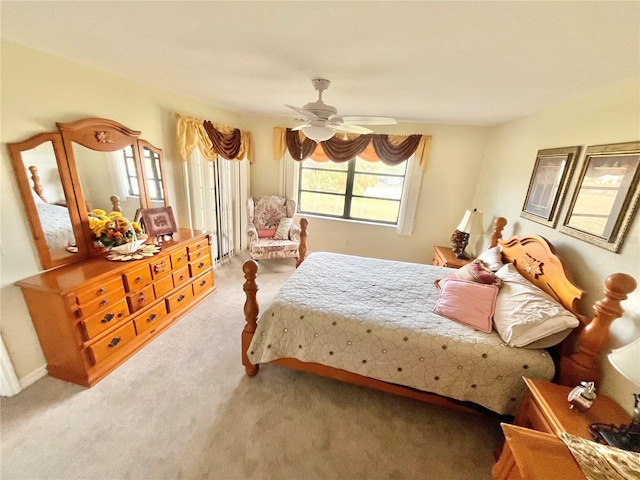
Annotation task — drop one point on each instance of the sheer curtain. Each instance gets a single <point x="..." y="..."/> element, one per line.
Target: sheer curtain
<point x="217" y="192"/>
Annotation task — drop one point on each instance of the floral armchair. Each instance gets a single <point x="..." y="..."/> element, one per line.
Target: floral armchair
<point x="272" y="233"/>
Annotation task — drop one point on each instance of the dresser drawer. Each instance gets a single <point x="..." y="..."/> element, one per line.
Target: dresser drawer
<point x="92" y="292"/>
<point x="99" y="322"/>
<point x="150" y="318"/>
<point x="203" y="283"/>
<point x="181" y="298"/>
<point x="179" y="259"/>
<point x="199" y="253"/>
<point x="200" y="265"/>
<point x="181" y="276"/>
<point x="160" y="267"/>
<point x="200" y="244"/>
<point x="112" y="343"/>
<point x="135" y="279"/>
<point x="101" y="303"/>
<point x="140" y="299"/>
<point x="163" y="286"/>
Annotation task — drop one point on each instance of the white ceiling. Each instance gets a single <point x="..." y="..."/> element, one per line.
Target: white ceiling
<point x="471" y="62"/>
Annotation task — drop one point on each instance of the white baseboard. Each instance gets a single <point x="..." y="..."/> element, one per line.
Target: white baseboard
<point x="33" y="377"/>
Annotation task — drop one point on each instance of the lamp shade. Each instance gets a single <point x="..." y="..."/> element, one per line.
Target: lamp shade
<point x="318" y="133"/>
<point x="626" y="360"/>
<point x="471" y="222"/>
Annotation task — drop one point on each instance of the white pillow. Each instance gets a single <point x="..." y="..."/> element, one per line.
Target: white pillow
<point x="525" y="314"/>
<point x="282" y="232"/>
<point x="492" y="258"/>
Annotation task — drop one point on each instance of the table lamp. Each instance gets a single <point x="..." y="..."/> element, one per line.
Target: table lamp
<point x="626" y="360"/>
<point x="471" y="224"/>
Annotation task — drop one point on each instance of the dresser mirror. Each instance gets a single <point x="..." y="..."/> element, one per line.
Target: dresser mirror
<point x="91" y="164"/>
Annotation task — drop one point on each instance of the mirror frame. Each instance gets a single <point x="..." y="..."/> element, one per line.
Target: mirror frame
<point x="26" y="192"/>
<point x="96" y="134"/>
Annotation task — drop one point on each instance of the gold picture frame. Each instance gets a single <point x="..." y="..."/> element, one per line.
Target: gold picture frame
<point x="606" y="196"/>
<point x="548" y="184"/>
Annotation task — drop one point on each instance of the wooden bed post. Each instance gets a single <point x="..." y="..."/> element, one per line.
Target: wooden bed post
<point x="583" y="365"/>
<point x="37" y="186"/>
<point x="115" y="203"/>
<point x="251" y="310"/>
<point x="499" y="224"/>
<point x="302" y="248"/>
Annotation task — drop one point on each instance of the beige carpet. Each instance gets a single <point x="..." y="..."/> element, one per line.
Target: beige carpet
<point x="183" y="408"/>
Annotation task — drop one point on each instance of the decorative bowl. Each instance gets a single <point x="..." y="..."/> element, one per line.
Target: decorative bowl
<point x="128" y="248"/>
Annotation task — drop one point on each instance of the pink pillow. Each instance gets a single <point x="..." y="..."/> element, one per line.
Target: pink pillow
<point x="266" y="233"/>
<point x="467" y="302"/>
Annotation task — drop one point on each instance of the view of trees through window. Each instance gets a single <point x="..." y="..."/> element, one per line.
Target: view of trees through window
<point x="357" y="189"/>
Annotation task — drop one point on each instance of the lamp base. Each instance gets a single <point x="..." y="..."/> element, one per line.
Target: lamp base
<point x="625" y="437"/>
<point x="459" y="241"/>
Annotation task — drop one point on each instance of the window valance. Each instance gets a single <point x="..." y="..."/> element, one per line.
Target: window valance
<point x="389" y="149"/>
<point x="212" y="140"/>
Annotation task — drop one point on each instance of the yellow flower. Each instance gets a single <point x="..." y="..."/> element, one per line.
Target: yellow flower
<point x="98" y="212"/>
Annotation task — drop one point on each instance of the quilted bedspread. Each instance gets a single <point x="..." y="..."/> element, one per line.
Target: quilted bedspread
<point x="374" y="317"/>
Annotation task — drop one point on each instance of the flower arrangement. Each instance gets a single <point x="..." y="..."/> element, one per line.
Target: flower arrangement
<point x="114" y="230"/>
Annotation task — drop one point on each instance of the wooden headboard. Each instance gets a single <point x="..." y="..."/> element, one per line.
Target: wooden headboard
<point x="536" y="260"/>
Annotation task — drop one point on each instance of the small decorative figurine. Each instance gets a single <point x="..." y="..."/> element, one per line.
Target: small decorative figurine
<point x="582" y="397"/>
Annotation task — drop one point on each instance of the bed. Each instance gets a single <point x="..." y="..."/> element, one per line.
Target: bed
<point x="334" y="318"/>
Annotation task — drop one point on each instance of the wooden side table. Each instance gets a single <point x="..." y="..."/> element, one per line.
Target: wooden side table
<point x="444" y="257"/>
<point x="545" y="408"/>
<point x="534" y="455"/>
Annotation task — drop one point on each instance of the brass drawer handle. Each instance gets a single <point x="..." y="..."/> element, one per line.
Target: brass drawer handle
<point x="151" y="317"/>
<point x="107" y="318"/>
<point x="181" y="297"/>
<point x="138" y="279"/>
<point x="101" y="291"/>
<point x="203" y="283"/>
<point x="142" y="299"/>
<point x="115" y="341"/>
<point x="181" y="277"/>
<point x="104" y="302"/>
<point x="201" y="264"/>
<point x="179" y="259"/>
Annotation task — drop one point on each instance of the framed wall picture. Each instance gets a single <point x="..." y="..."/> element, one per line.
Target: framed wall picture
<point x="158" y="221"/>
<point x="606" y="197"/>
<point x="548" y="184"/>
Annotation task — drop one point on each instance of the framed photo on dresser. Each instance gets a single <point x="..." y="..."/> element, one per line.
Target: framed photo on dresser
<point x="158" y="221"/>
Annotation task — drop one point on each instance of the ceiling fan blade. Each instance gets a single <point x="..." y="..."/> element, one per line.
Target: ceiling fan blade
<point x="351" y="129"/>
<point x="301" y="126"/>
<point x="305" y="113"/>
<point x="369" y="120"/>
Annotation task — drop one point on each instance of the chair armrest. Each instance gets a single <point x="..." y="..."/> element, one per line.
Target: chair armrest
<point x="294" y="232"/>
<point x="252" y="232"/>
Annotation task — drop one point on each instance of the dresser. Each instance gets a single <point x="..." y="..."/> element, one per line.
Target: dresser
<point x="92" y="316"/>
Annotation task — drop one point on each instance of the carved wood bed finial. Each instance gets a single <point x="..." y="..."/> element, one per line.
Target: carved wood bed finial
<point x="583" y="365"/>
<point x="115" y="203"/>
<point x="499" y="225"/>
<point x="37" y="186"/>
<point x="251" y="310"/>
<point x="302" y="248"/>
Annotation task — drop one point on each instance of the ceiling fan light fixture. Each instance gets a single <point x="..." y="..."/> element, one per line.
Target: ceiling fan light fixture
<point x="318" y="133"/>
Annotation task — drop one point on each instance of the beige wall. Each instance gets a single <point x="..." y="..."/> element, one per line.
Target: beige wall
<point x="39" y="90"/>
<point x="608" y="116"/>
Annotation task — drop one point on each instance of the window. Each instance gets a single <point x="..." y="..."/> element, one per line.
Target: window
<point x="130" y="172"/>
<point x="152" y="173"/>
<point x="358" y="189"/>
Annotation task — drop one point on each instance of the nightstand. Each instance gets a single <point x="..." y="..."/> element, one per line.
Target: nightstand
<point x="545" y="408"/>
<point x="444" y="257"/>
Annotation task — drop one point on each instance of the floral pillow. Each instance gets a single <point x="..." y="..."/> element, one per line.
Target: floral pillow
<point x="282" y="232"/>
<point x="475" y="271"/>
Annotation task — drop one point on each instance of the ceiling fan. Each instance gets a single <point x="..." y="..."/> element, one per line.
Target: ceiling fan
<point x="322" y="120"/>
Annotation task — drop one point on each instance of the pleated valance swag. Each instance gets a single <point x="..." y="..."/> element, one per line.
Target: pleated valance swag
<point x="212" y="140"/>
<point x="389" y="149"/>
